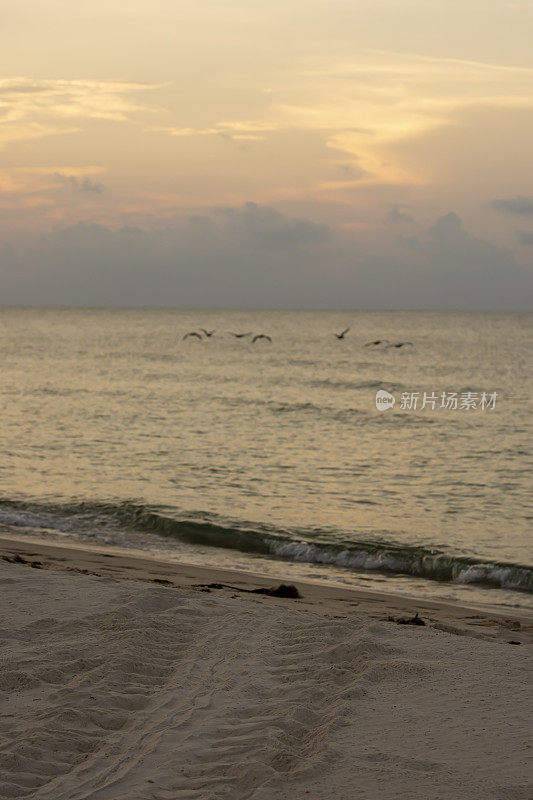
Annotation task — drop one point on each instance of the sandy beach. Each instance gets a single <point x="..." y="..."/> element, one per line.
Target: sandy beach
<point x="123" y="677"/>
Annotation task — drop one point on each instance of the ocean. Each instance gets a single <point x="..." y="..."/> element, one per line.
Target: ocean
<point x="272" y="456"/>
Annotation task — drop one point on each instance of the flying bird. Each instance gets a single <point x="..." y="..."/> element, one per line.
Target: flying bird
<point x="261" y="336"/>
<point x="207" y="333"/>
<point x="342" y="334"/>
<point x="240" y="335"/>
<point x="377" y="342"/>
<point x="192" y="333"/>
<point x="400" y="344"/>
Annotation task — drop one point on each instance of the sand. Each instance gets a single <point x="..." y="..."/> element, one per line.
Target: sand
<point x="114" y="687"/>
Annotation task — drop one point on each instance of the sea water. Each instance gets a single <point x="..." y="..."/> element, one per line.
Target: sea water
<point x="272" y="456"/>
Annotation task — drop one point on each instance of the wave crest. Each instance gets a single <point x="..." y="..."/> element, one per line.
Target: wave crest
<point x="202" y="529"/>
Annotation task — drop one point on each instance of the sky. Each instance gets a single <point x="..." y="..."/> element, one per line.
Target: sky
<point x="339" y="154"/>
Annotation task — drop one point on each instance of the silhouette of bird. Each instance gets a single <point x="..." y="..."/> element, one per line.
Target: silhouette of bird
<point x="261" y="336"/>
<point x="240" y="335"/>
<point x="207" y="333"/>
<point x="192" y="333"/>
<point x="342" y="334"/>
<point x="400" y="344"/>
<point x="376" y="343"/>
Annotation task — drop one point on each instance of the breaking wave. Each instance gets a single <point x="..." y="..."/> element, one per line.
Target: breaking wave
<point x="204" y="530"/>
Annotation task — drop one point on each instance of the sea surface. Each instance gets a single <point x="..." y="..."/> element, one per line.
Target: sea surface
<point x="272" y="456"/>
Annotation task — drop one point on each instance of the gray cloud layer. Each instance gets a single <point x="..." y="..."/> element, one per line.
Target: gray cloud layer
<point x="514" y="205"/>
<point x="256" y="257"/>
<point x="525" y="237"/>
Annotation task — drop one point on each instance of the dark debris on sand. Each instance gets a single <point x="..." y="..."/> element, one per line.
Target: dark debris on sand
<point x="416" y="620"/>
<point x="283" y="590"/>
<point x="17" y="559"/>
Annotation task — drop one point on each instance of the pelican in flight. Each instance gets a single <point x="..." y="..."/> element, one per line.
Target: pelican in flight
<point x="400" y="344"/>
<point x="192" y="333"/>
<point x="342" y="334"/>
<point x="240" y="335"/>
<point x="377" y="342"/>
<point x="261" y="336"/>
<point x="207" y="333"/>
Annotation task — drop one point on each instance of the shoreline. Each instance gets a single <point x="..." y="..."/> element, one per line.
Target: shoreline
<point x="477" y="620"/>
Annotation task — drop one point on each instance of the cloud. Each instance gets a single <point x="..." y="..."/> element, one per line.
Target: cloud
<point x="181" y="131"/>
<point x="35" y="197"/>
<point x="255" y="256"/>
<point x="80" y="184"/>
<point x="30" y="181"/>
<point x="259" y="227"/>
<point x="228" y="130"/>
<point x="447" y="227"/>
<point x="229" y="257"/>
<point x="442" y="266"/>
<point x="367" y="104"/>
<point x="32" y="109"/>
<point x="394" y="215"/>
<point x="514" y="205"/>
<point x="22" y="181"/>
